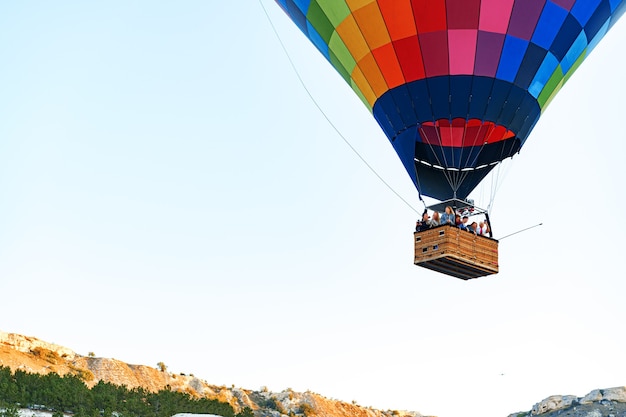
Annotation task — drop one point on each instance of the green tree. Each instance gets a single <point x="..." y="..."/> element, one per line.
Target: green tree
<point x="69" y="393"/>
<point x="246" y="412"/>
<point x="11" y="411"/>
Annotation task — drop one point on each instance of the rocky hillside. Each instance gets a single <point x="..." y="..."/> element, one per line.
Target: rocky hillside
<point x="36" y="356"/>
<point x="609" y="402"/>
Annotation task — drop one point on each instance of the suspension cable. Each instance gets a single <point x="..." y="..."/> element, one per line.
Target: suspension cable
<point x="520" y="231"/>
<point x="446" y="174"/>
<point x="295" y="69"/>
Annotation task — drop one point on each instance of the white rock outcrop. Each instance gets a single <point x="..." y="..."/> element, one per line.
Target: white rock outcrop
<point x="593" y="397"/>
<point x="617" y="394"/>
<point x="560" y="402"/>
<point x="552" y="403"/>
<point x="27" y="344"/>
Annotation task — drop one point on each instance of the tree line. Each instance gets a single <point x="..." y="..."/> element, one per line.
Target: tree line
<point x="68" y="394"/>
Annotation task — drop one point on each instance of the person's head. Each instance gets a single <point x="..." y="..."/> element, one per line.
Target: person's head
<point x="449" y="210"/>
<point x="457" y="218"/>
<point x="465" y="219"/>
<point x="436" y="216"/>
<point x="425" y="216"/>
<point x="474" y="226"/>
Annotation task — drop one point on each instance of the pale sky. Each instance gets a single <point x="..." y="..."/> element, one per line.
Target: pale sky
<point x="169" y="192"/>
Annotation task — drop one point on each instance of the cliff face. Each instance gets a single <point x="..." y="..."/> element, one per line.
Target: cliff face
<point x="36" y="356"/>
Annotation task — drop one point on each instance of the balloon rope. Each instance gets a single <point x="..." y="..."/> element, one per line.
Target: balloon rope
<point x="419" y="187"/>
<point x="520" y="231"/>
<point x="494" y="175"/>
<point x="446" y="174"/>
<point x="293" y="66"/>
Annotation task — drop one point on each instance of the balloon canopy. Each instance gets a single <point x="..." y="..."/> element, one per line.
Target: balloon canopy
<point x="456" y="85"/>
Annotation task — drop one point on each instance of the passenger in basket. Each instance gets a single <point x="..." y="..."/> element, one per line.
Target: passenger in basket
<point x="473" y="228"/>
<point x="448" y="216"/>
<point x="457" y="220"/>
<point x="435" y="221"/>
<point x="483" y="228"/>
<point x="463" y="225"/>
<point x="423" y="224"/>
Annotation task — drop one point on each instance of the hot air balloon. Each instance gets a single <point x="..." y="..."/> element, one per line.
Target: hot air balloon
<point x="456" y="85"/>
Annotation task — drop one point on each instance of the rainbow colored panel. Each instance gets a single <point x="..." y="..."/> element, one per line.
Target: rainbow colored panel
<point x="430" y="70"/>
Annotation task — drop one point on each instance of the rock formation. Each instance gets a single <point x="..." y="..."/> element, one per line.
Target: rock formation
<point x="609" y="402"/>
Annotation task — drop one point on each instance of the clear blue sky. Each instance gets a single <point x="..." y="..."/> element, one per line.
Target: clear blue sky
<point x="169" y="192"/>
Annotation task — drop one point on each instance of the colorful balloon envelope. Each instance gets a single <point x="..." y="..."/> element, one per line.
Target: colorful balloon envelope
<point x="456" y="85"/>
